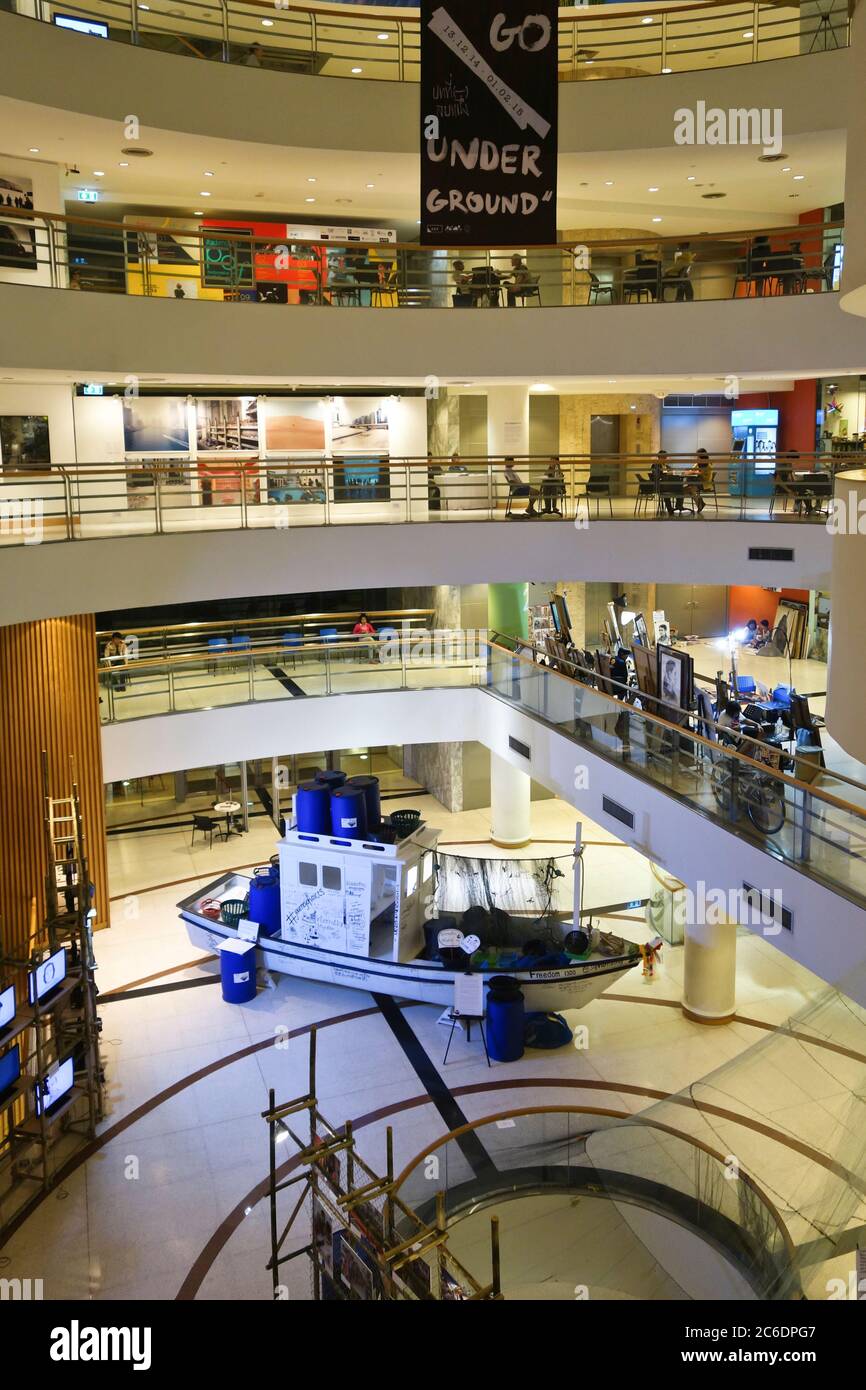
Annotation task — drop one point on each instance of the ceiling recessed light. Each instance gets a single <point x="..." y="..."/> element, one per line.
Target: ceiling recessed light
<point x="357" y="69"/>
<point x="99" y="173"/>
<point x="311" y="180"/>
<point x="268" y="23"/>
<point x="124" y="164"/>
<point x="542" y="386"/>
<point x="309" y="200"/>
<point x="787" y="169"/>
<point x="382" y="37"/>
<point x="198" y="214"/>
<point x="34" y="149"/>
<point x="203" y="193"/>
<point x="144" y="7"/>
<point x="656" y="219"/>
<point x="799" y="177"/>
<point x="208" y="173"/>
<point x="667" y="70"/>
<point x="608" y="183"/>
<point x="646" y="20"/>
<point x="749" y="34"/>
<point x="369" y="185"/>
<point x="690" y="178"/>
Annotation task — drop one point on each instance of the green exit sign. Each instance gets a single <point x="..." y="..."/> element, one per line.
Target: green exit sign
<point x="88" y="195"/>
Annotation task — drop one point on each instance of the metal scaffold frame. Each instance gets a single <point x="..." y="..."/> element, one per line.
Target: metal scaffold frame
<point x="364" y="1243"/>
<point x="36" y="1142"/>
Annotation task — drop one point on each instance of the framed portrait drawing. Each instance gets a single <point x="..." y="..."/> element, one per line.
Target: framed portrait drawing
<point x="674" y="678"/>
<point x="645" y="669"/>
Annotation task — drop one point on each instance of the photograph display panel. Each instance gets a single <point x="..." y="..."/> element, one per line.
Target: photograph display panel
<point x="155" y="425"/>
<point x="24" y="443"/>
<point x="17" y="243"/>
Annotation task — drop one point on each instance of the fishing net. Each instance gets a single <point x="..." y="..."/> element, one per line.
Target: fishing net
<point x="506" y="902"/>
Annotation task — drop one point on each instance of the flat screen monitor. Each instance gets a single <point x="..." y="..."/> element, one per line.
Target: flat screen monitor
<point x="54" y="1086"/>
<point x="7" y="1008"/>
<point x="754" y="417"/>
<point x="10" y="1070"/>
<point x="81" y="26"/>
<point x="47" y="976"/>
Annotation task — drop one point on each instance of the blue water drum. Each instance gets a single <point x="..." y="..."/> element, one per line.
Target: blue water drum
<point x="264" y="905"/>
<point x="505" y="1021"/>
<point x="313" y="808"/>
<point x="370" y="787"/>
<point x="349" y="812"/>
<point x="238" y="971"/>
<point x="331" y="779"/>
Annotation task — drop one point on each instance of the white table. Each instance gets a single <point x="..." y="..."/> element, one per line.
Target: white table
<point x="228" y="809"/>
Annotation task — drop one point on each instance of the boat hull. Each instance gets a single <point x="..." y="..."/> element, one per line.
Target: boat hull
<point x="543" y="990"/>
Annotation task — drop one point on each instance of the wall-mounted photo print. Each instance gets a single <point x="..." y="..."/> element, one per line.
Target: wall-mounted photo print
<point x="361" y="480"/>
<point x="155" y="425"/>
<point x="229" y="424"/>
<point x="294" y="426"/>
<point x="24" y="443"/>
<point x="359" y="425"/>
<point x="17" y="244"/>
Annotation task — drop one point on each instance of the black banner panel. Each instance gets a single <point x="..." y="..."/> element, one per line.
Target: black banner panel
<point x="489" y="92"/>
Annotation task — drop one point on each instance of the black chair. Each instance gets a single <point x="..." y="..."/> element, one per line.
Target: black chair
<point x="207" y="826"/>
<point x="597" y="490"/>
<point x="530" y="290"/>
<point x="646" y="491"/>
<point x="596" y="288"/>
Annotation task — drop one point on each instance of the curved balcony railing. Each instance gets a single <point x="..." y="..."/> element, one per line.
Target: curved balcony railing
<point x="381" y="43"/>
<point x="745" y="787"/>
<point x="598" y="1153"/>
<point x="685" y="752"/>
<point x="175" y="258"/>
<point x="70" y="502"/>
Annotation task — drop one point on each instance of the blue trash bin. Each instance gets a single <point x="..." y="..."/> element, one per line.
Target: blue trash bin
<point x="238" y="971"/>
<point x="505" y="1019"/>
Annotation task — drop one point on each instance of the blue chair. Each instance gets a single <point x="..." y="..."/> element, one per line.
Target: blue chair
<point x="746" y="685"/>
<point x="215" y="646"/>
<point x="782" y="696"/>
<point x="291" y="641"/>
<point x="328" y="634"/>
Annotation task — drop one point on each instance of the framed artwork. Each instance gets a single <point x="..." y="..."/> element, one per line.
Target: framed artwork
<point x="229" y="424"/>
<point x="222" y="483"/>
<point x="17" y="244"/>
<point x="155" y="425"/>
<point x="24" y="443"/>
<point x="298" y="482"/>
<point x="294" y="426"/>
<point x="359" y="424"/>
<point x="674" y="677"/>
<point x="645" y="668"/>
<point x="361" y="480"/>
<point x="640" y="630"/>
<point x="141" y="476"/>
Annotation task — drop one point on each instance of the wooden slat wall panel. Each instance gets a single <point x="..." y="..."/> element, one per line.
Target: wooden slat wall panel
<point x="48" y="699"/>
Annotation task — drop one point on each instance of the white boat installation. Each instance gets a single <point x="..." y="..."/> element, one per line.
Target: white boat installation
<point x="354" y="913"/>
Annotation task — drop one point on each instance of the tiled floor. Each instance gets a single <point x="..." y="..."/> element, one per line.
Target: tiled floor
<point x="188" y="1078"/>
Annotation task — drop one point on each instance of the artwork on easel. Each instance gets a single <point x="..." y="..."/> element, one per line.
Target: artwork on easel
<point x="645" y="669"/>
<point x="674" y="676"/>
<point x="640" y="630"/>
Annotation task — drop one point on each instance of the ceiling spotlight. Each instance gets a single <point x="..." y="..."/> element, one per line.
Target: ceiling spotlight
<point x="690" y="178"/>
<point x="198" y="214"/>
<point x="787" y="169"/>
<point x="99" y="173"/>
<point x="382" y="37"/>
<point x="646" y="20"/>
<point x="267" y="24"/>
<point x="798" y="178"/>
<point x="369" y="185"/>
<point x="608" y="183"/>
<point x="652" y="190"/>
<point x="309" y="200"/>
<point x="656" y="219"/>
<point x="124" y="164"/>
<point x="667" y="70"/>
<point x="202" y="193"/>
<point x="207" y="173"/>
<point x="34" y="149"/>
<point x="356" y="70"/>
<point x="749" y="34"/>
<point x="311" y="180"/>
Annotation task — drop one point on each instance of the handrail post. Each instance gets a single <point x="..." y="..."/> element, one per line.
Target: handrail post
<point x="226" y="52"/>
<point x="327" y="670"/>
<point x="401" y="60"/>
<point x="243" y="479"/>
<point x="408" y="490"/>
<point x="171" y="692"/>
<point x="251" y="676"/>
<point x="157" y="497"/>
<point x="134" y="36"/>
<point x="756" y="33"/>
<point x="664" y="41"/>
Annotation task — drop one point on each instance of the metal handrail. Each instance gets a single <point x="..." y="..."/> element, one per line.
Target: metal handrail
<point x="692" y="735"/>
<point x="385" y="44"/>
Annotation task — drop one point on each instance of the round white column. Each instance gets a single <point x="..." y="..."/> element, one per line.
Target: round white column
<point x="847" y="670"/>
<point x="709" y="972"/>
<point x="508" y="420"/>
<point x="509" y="804"/>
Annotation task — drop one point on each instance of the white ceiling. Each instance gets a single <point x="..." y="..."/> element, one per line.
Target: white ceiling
<point x="274" y="178"/>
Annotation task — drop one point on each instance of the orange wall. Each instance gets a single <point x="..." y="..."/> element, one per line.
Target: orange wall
<point x="747" y="601"/>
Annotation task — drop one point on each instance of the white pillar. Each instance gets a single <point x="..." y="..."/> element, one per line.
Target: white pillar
<point x="709" y="972"/>
<point x="508" y="420"/>
<point x="509" y="804"/>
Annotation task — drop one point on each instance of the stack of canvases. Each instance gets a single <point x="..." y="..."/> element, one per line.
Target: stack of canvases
<point x="797" y="615"/>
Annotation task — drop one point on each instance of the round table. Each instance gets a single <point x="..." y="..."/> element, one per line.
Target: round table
<point x="228" y="809"/>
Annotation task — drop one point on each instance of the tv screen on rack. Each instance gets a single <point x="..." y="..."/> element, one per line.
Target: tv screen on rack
<point x="10" y="1069"/>
<point x="47" y="976"/>
<point x="54" y="1086"/>
<point x="7" y="1008"/>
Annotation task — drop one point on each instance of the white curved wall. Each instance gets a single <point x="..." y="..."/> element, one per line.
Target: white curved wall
<point x="854" y="268"/>
<point x="829" y="932"/>
<point x="49" y="580"/>
<point x="185" y="94"/>
<point x="115" y="335"/>
<point x="846" y="675"/>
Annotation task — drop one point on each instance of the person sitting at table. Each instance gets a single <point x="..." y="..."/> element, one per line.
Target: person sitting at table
<point x="519" y="279"/>
<point x="762" y="634"/>
<point x="661" y="478"/>
<point x="759" y="258"/>
<point x="485" y="287"/>
<point x="365" y="633"/>
<point x="462" y="298"/>
<point x="552" y="488"/>
<point x="457" y="465"/>
<point x="700" y="479"/>
<point x="518" y="488"/>
<point x="677" y="275"/>
<point x="729" y="721"/>
<point x="115" y="653"/>
<point x="434" y="492"/>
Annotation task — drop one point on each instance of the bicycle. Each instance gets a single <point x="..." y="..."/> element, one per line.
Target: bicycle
<point x="745" y="787"/>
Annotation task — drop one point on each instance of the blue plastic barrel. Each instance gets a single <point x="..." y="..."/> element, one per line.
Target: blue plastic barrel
<point x="504" y="1019"/>
<point x="331" y="779"/>
<point x="370" y="787"/>
<point x="264" y="905"/>
<point x="313" y="808"/>
<point x="238" y="971"/>
<point x="349" y="812"/>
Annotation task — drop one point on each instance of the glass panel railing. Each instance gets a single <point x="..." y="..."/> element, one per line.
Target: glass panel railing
<point x="379" y="44"/>
<point x="133" y="688"/>
<point x="815" y="831"/>
<point x="92" y="501"/>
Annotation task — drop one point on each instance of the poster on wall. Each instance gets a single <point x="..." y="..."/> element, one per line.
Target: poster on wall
<point x="359" y="424"/>
<point x="294" y="426"/>
<point x="24" y="443"/>
<point x="361" y="479"/>
<point x="227" y="484"/>
<point x="302" y="483"/>
<point x="155" y="425"/>
<point x="17" y="244"/>
<point x="229" y="424"/>
<point x="489" y="91"/>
